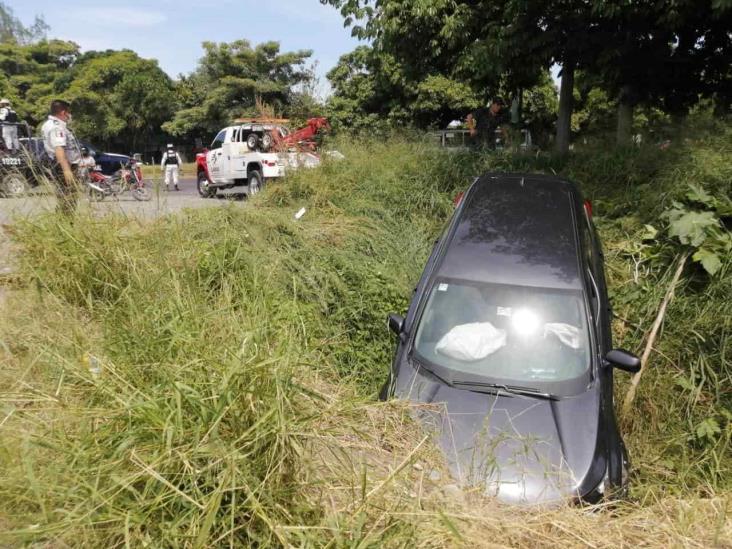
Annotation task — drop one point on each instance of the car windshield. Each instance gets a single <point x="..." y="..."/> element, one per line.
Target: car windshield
<point x="513" y="335"/>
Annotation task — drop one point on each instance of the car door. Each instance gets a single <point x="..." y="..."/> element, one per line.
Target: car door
<point x="602" y="315"/>
<point x="215" y="159"/>
<point x="237" y="151"/>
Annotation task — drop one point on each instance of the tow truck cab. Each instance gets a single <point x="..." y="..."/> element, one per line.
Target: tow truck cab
<point x="229" y="162"/>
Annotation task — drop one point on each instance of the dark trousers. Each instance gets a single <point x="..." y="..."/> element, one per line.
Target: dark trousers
<point x="67" y="195"/>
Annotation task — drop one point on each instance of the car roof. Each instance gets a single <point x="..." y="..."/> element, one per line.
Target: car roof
<point x="516" y="229"/>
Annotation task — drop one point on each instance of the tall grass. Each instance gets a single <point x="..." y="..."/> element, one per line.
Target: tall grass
<point x="208" y="379"/>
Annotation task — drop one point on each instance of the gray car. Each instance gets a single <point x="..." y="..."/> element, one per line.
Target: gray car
<point x="508" y="336"/>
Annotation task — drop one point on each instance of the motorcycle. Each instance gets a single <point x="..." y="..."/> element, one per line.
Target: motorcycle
<point x="127" y="178"/>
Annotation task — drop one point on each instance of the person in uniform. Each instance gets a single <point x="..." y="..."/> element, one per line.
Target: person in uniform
<point x="171" y="164"/>
<point x="64" y="154"/>
<point x="9" y="120"/>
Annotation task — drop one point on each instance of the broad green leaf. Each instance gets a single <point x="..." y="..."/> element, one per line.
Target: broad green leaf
<point x="707" y="429"/>
<point x="649" y="232"/>
<point x="698" y="194"/>
<point x="709" y="260"/>
<point x="691" y="227"/>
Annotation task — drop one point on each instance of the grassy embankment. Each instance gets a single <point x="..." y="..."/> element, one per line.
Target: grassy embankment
<point x="237" y="353"/>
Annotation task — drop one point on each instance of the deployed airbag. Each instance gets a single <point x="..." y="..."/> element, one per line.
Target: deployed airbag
<point x="567" y="334"/>
<point x="471" y="342"/>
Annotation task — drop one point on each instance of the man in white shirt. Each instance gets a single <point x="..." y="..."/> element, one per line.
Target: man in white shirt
<point x="64" y="154"/>
<point x="9" y="121"/>
<point x="170" y="163"/>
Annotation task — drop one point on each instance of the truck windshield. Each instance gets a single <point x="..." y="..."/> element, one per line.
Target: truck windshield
<point x="498" y="333"/>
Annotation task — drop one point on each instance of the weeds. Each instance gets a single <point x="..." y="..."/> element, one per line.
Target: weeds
<point x="239" y="352"/>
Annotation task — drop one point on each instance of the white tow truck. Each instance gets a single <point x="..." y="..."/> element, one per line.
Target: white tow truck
<point x="230" y="162"/>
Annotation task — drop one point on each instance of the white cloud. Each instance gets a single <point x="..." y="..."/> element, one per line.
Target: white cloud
<point x="120" y="17"/>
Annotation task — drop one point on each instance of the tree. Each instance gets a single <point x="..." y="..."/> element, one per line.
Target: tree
<point x="657" y="53"/>
<point x="660" y="54"/>
<point x="31" y="75"/>
<point x="13" y="31"/>
<point x="230" y="79"/>
<point x="489" y="46"/>
<point x="372" y="90"/>
<point x="119" y="99"/>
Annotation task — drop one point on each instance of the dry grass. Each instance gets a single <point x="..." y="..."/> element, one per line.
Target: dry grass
<point x="238" y="354"/>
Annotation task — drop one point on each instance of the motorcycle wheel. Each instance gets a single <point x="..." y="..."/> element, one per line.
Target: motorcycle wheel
<point x="95" y="195"/>
<point x="141" y="193"/>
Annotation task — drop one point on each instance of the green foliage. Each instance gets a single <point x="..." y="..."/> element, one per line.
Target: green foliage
<point x="702" y="231"/>
<point x="230" y="78"/>
<point x="13" y="31"/>
<point x="33" y="74"/>
<point x="236" y="346"/>
<point x="119" y="99"/>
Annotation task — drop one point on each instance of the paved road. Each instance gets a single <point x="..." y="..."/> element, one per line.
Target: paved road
<point x="162" y="203"/>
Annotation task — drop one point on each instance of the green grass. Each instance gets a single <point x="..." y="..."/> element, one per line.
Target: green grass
<point x="240" y="351"/>
<point x="152" y="171"/>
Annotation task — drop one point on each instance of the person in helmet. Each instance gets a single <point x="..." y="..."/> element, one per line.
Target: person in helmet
<point x="9" y="121"/>
<point x="87" y="162"/>
<point x="171" y="163"/>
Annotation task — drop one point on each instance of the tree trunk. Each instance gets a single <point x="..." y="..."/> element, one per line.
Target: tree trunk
<point x="564" y="120"/>
<point x="625" y="116"/>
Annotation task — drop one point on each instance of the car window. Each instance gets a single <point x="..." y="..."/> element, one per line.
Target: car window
<point x="505" y="334"/>
<point x="219" y="140"/>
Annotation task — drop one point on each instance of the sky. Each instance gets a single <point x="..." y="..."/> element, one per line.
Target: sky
<point x="171" y="31"/>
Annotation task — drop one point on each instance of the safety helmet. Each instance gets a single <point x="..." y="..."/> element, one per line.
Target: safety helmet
<point x="170" y="145"/>
<point x="4" y="101"/>
<point x="84" y="151"/>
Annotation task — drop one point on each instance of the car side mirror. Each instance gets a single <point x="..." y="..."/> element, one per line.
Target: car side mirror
<point x="396" y="323"/>
<point x="623" y="360"/>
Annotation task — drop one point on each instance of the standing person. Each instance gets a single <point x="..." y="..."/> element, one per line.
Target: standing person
<point x="485" y="122"/>
<point x="63" y="152"/>
<point x="171" y="164"/>
<point x="9" y="120"/>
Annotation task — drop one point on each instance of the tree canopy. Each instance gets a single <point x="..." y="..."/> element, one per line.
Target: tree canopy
<point x="639" y="52"/>
<point x="229" y="81"/>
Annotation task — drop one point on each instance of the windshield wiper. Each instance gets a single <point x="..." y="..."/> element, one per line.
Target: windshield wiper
<point x="497" y="387"/>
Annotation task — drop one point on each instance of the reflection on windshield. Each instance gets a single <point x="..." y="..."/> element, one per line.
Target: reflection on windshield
<point x="505" y="333"/>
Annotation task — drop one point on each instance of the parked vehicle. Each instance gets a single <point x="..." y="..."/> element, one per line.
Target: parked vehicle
<point x="509" y="328"/>
<point x="230" y="162"/>
<point x="107" y="163"/>
<point x="128" y="178"/>
<point x="20" y="169"/>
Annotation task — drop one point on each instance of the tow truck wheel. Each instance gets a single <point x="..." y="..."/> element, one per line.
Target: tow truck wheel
<point x="204" y="189"/>
<point x="252" y="141"/>
<point x="254" y="182"/>
<point x="15" y="185"/>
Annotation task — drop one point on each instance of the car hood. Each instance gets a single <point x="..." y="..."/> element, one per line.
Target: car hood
<point x="522" y="450"/>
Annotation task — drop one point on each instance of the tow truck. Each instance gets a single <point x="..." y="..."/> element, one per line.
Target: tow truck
<point x="254" y="151"/>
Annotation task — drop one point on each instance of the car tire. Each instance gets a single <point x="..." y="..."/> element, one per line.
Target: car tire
<point x="253" y="141"/>
<point x="14" y="185"/>
<point x="255" y="182"/>
<point x="204" y="189"/>
<point x="267" y="142"/>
